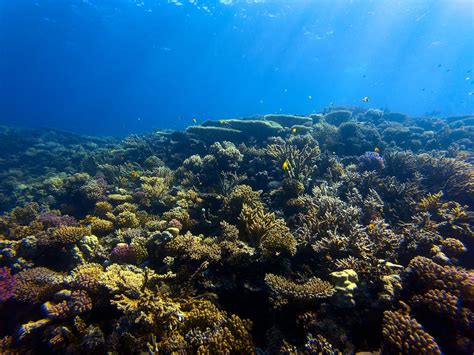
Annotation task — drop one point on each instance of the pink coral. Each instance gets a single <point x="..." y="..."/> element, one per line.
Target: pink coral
<point x="174" y="223"/>
<point x="123" y="253"/>
<point x="7" y="284"/>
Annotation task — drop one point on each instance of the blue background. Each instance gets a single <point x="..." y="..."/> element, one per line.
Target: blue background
<point x="117" y="67"/>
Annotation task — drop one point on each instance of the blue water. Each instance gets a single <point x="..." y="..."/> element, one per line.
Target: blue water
<point x="117" y="67"/>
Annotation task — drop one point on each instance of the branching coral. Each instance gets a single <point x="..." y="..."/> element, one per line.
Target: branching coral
<point x="285" y="291"/>
<point x="7" y="284"/>
<point x="152" y="243"/>
<point x="123" y="279"/>
<point x="431" y="275"/>
<point x="402" y="333"/>
<point x="36" y="284"/>
<point x="296" y="163"/>
<point x="87" y="277"/>
<point x="65" y="235"/>
<point x="267" y="232"/>
<point x="69" y="304"/>
<point x="194" y="247"/>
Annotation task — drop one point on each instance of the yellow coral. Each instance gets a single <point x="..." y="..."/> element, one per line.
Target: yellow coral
<point x="284" y="290"/>
<point x="101" y="226"/>
<point x="124" y="279"/>
<point x="87" y="276"/>
<point x="195" y="247"/>
<point x="127" y="219"/>
<point x="269" y="233"/>
<point x="68" y="235"/>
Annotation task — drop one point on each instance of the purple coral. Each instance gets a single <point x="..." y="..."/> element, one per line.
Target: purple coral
<point x="123" y="253"/>
<point x="371" y="161"/>
<point x="7" y="284"/>
<point x="174" y="223"/>
<point x="53" y="220"/>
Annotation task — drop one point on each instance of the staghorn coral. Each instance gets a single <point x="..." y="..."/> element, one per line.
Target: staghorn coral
<point x="300" y="163"/>
<point x="452" y="176"/>
<point x="284" y="291"/>
<point x="267" y="232"/>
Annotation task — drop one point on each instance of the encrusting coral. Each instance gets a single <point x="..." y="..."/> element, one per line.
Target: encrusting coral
<point x="345" y="231"/>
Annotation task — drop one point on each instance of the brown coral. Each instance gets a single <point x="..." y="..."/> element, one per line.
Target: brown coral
<point x="402" y="333"/>
<point x="65" y="235"/>
<point x="267" y="232"/>
<point x="300" y="163"/>
<point x="87" y="276"/>
<point x="195" y="247"/>
<point x="449" y="278"/>
<point x="284" y="290"/>
<point x="36" y="284"/>
<point x="445" y="304"/>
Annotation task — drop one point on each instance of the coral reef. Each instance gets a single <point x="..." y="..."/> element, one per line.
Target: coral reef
<point x="345" y="231"/>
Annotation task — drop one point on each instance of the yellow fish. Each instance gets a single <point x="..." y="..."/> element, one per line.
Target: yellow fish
<point x="195" y="120"/>
<point x="293" y="130"/>
<point x="134" y="174"/>
<point x="286" y="165"/>
<point x="222" y="122"/>
<point x="365" y="99"/>
<point x="377" y="150"/>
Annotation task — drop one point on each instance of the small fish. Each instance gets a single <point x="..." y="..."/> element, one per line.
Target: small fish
<point x="365" y="99"/>
<point x="293" y="130"/>
<point x="286" y="165"/>
<point x="376" y="150"/>
<point x="310" y="97"/>
<point x="195" y="120"/>
<point x="134" y="174"/>
<point x="222" y="122"/>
